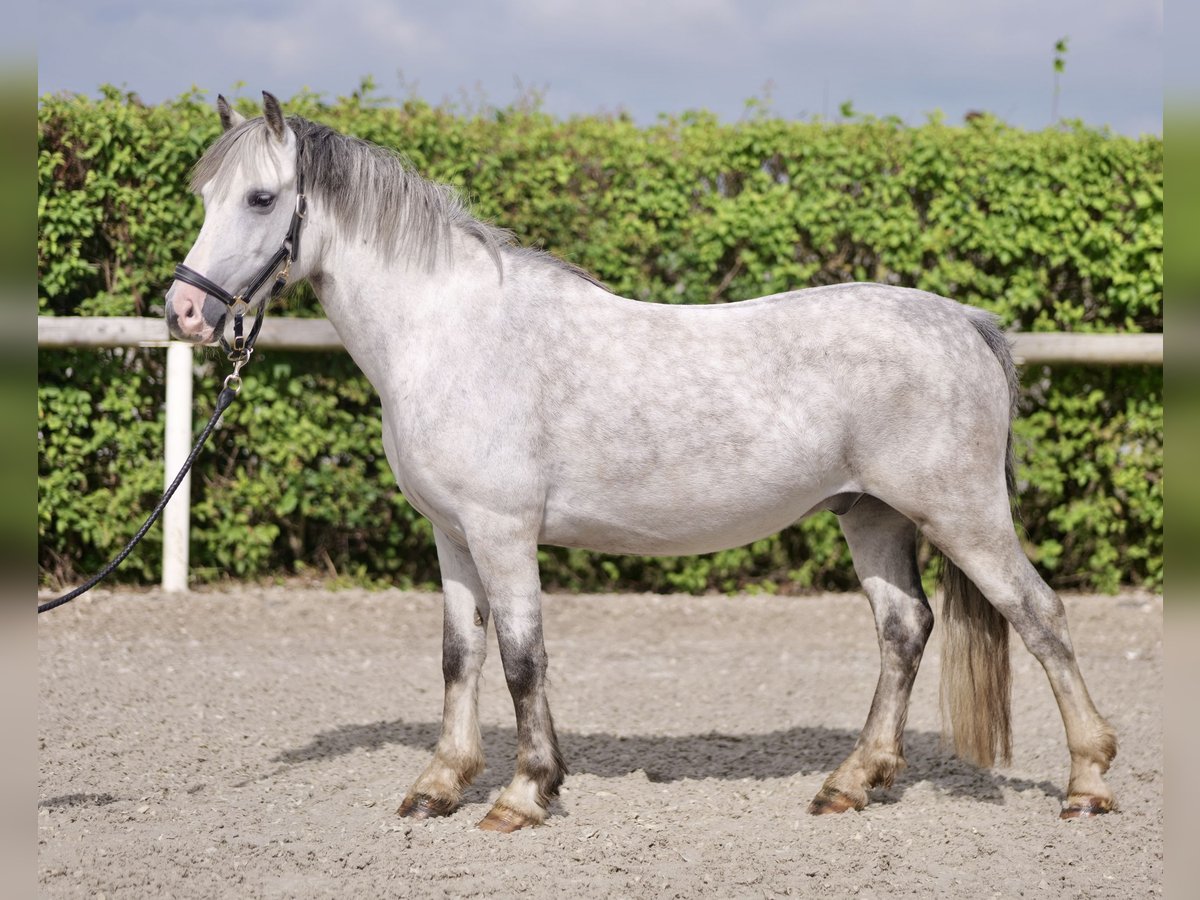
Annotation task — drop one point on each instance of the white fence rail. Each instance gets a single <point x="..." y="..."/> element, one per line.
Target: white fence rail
<point x="319" y="334"/>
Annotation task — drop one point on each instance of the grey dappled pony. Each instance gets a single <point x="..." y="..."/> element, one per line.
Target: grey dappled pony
<point x="524" y="404"/>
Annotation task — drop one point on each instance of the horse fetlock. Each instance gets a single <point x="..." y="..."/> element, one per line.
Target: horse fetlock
<point x="1092" y="742"/>
<point x="1106" y="745"/>
<point x="439" y="789"/>
<point x="879" y="767"/>
<point x="548" y="780"/>
<point x="466" y="767"/>
<point x="540" y="762"/>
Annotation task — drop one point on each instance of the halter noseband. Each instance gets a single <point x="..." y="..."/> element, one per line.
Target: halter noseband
<point x="239" y="305"/>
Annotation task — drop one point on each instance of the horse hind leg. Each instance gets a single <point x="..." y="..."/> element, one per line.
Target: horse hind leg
<point x="884" y="546"/>
<point x="985" y="548"/>
<point x="458" y="758"/>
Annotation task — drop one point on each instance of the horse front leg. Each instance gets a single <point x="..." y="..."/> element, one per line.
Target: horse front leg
<point x="507" y="559"/>
<point x="458" y="758"/>
<point x="884" y="546"/>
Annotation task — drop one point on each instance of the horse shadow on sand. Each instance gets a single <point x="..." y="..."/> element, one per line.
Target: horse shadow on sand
<point x="799" y="750"/>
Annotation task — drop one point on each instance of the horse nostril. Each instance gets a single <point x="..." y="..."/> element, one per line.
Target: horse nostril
<point x="187" y="308"/>
<point x="191" y="313"/>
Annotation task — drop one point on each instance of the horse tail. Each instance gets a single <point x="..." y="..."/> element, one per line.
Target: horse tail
<point x="976" y="680"/>
<point x="975" y="689"/>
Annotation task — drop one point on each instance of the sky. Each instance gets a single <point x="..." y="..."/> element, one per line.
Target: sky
<point x="645" y="57"/>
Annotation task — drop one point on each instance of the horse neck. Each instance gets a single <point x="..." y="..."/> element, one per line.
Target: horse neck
<point x="386" y="306"/>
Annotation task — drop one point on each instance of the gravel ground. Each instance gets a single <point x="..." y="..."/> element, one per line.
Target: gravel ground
<point x="255" y="742"/>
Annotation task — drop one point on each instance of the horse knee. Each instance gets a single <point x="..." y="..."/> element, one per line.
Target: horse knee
<point x="525" y="669"/>
<point x="459" y="660"/>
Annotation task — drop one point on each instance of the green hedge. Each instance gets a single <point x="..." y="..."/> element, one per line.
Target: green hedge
<point x="1054" y="230"/>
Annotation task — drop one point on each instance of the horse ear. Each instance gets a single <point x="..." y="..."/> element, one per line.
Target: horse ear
<point x="274" y="115"/>
<point x="230" y="117"/>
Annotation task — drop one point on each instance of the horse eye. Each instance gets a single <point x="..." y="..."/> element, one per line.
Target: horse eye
<point x="260" y="199"/>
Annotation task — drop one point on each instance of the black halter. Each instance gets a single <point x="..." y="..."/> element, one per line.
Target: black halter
<point x="278" y="266"/>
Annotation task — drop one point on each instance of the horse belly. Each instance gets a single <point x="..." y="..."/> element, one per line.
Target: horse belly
<point x="664" y="517"/>
<point x="690" y="465"/>
<point x="644" y="537"/>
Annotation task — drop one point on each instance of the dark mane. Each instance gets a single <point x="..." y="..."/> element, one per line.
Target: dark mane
<point x="373" y="193"/>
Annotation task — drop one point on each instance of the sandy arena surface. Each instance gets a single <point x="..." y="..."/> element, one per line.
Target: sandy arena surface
<point x="255" y="742"/>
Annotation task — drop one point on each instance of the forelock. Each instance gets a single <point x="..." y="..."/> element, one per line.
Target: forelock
<point x="240" y="151"/>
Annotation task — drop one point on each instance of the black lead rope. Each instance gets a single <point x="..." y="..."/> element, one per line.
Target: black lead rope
<point x="278" y="266"/>
<point x="224" y="399"/>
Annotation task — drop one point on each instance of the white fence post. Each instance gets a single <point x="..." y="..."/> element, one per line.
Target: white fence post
<point x="178" y="440"/>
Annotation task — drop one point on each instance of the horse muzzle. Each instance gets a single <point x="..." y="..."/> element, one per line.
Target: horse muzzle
<point x="194" y="316"/>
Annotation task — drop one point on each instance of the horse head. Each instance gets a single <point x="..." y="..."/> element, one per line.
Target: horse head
<point x="249" y="182"/>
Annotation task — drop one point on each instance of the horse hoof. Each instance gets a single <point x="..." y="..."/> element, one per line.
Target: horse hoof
<point x="1086" y="808"/>
<point x="505" y="820"/>
<point x="423" y="806"/>
<point x="829" y="802"/>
